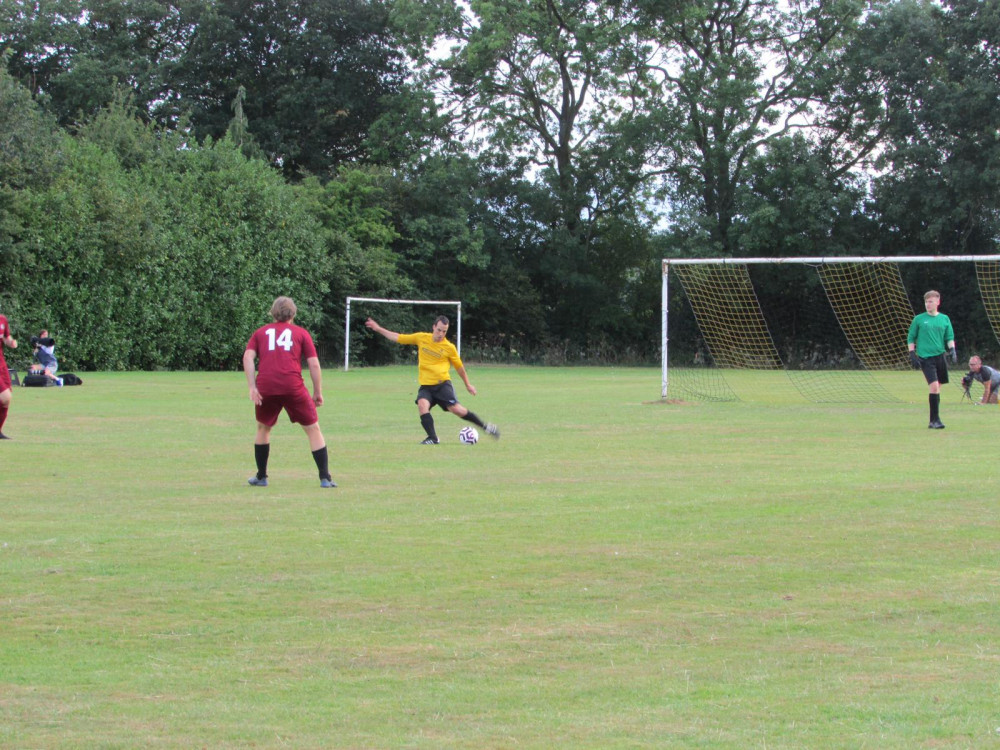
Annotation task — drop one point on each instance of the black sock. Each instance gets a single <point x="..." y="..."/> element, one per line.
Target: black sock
<point x="935" y="402"/>
<point x="260" y="454"/>
<point x="470" y="417"/>
<point x="427" y="421"/>
<point x="322" y="462"/>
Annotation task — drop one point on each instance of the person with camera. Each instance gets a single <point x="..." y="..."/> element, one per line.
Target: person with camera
<point x="988" y="376"/>
<point x="45" y="357"/>
<point x="6" y="339"/>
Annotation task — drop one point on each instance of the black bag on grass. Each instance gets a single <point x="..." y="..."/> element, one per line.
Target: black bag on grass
<point x="32" y="380"/>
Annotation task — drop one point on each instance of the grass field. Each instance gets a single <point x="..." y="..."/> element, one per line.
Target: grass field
<point x="615" y="572"/>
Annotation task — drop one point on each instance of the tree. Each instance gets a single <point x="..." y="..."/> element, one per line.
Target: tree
<point x="935" y="72"/>
<point x="30" y="142"/>
<point x="791" y="204"/>
<point x="316" y="73"/>
<point x="39" y="40"/>
<point x="145" y="249"/>
<point x="75" y="54"/>
<point x="547" y="83"/>
<point x="736" y="75"/>
<point x="357" y="232"/>
<point x="32" y="153"/>
<point x="548" y="92"/>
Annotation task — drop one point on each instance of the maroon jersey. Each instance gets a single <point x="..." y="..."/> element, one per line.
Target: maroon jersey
<point x="280" y="349"/>
<point x="4" y="333"/>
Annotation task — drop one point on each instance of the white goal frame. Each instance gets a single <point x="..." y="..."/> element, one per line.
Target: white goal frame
<point x="347" y="318"/>
<point x="667" y="262"/>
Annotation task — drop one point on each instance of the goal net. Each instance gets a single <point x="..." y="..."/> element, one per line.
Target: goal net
<point x="828" y="326"/>
<point x="404" y="323"/>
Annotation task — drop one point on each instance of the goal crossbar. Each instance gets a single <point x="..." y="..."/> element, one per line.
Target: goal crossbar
<point x="667" y="262"/>
<point x="347" y="318"/>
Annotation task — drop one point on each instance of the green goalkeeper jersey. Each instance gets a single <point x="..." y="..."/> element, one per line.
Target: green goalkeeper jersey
<point x="931" y="334"/>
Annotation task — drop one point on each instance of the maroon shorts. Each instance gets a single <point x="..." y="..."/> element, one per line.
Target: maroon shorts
<point x="298" y="405"/>
<point x="4" y="376"/>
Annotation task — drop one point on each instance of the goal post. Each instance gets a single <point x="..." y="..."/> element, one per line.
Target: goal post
<point x="378" y="300"/>
<point x="863" y="296"/>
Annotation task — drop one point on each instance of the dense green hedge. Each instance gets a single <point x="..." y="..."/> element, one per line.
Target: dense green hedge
<point x="140" y="250"/>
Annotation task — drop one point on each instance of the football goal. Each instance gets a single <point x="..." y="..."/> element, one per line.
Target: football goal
<point x="375" y="300"/>
<point x="828" y="324"/>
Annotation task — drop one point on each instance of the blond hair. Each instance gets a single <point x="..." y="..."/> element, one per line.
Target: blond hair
<point x="283" y="309"/>
<point x="932" y="293"/>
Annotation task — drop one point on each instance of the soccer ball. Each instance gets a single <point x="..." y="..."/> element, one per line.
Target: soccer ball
<point x="468" y="435"/>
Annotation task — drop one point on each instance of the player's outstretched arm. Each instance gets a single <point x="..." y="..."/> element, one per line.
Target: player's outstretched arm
<point x="391" y="335"/>
<point x="10" y="341"/>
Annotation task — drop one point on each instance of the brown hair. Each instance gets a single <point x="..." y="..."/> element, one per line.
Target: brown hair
<point x="283" y="309"/>
<point x="932" y="293"/>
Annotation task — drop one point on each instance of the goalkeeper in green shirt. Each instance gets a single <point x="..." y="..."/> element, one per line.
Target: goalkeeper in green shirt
<point x="930" y="336"/>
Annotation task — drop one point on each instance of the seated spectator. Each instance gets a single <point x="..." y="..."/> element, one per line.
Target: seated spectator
<point x="45" y="361"/>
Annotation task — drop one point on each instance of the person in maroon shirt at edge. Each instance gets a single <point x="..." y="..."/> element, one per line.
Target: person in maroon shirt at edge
<point x="5" y="340"/>
<point x="279" y="348"/>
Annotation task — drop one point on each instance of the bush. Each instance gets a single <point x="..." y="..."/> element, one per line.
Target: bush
<point x="166" y="257"/>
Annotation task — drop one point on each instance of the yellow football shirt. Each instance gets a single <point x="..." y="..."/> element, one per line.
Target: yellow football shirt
<point x="434" y="359"/>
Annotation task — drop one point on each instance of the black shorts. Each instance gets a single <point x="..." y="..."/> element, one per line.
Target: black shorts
<point x="442" y="394"/>
<point x="935" y="369"/>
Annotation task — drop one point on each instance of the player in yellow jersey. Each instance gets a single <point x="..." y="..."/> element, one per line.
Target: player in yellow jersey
<point x="436" y="356"/>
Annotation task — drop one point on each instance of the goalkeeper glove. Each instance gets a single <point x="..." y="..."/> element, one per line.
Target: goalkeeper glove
<point x="914" y="360"/>
<point x="953" y="353"/>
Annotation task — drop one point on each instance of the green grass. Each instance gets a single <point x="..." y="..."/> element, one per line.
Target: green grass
<point x="615" y="572"/>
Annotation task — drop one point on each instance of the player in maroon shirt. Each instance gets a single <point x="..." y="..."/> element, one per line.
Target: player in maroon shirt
<point x="279" y="347"/>
<point x="5" y="340"/>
